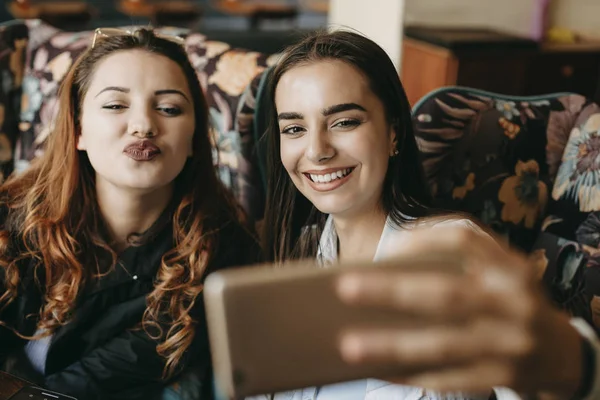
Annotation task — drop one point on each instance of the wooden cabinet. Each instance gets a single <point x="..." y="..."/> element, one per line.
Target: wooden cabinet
<point x="81" y="14"/>
<point x="257" y="11"/>
<point x="495" y="62"/>
<point x="565" y="68"/>
<point x="60" y="13"/>
<point x="25" y="9"/>
<point x="183" y="13"/>
<point x="426" y="67"/>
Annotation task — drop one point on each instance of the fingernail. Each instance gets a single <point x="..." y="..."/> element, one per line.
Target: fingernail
<point x="351" y="348"/>
<point x="348" y="287"/>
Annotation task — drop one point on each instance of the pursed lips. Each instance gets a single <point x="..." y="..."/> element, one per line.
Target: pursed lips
<point x="142" y="150"/>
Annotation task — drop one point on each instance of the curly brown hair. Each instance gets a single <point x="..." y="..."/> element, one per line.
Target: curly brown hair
<point x="53" y="208"/>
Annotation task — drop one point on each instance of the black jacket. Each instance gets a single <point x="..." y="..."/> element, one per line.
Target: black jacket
<point x="97" y="355"/>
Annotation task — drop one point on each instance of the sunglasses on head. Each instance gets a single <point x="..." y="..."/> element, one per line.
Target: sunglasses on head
<point x="103" y="33"/>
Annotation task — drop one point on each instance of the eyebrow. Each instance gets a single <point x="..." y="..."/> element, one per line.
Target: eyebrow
<point x="289" y="115"/>
<point x="158" y="92"/>
<point x="115" y="88"/>
<point x="338" y="108"/>
<point x="171" y="91"/>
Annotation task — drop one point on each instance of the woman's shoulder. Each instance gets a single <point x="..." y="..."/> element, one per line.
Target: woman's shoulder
<point x="395" y="236"/>
<point x="447" y="220"/>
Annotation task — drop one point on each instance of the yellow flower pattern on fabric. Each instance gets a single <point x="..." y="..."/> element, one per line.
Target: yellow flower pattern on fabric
<point x="60" y="65"/>
<point x="510" y="129"/>
<point x="235" y="70"/>
<point x="460" y="192"/>
<point x="524" y="195"/>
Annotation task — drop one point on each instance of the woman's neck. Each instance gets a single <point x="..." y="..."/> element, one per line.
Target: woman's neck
<point x="126" y="212"/>
<point x="359" y="235"/>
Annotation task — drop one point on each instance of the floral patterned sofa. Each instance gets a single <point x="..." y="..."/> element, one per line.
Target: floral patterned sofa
<point x="34" y="57"/>
<point x="529" y="168"/>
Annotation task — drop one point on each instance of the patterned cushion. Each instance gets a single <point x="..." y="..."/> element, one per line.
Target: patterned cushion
<point x="246" y="126"/>
<point x="570" y="270"/>
<point x="588" y="234"/>
<point x="50" y="55"/>
<point x="561" y="264"/>
<point x="576" y="190"/>
<point x="227" y="76"/>
<point x="224" y="74"/>
<point x="13" y="44"/>
<point x="494" y="156"/>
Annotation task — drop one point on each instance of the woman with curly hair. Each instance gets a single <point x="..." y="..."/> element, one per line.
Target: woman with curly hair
<point x="107" y="238"/>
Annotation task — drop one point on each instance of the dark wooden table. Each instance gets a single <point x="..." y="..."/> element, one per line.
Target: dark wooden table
<point x="9" y="385"/>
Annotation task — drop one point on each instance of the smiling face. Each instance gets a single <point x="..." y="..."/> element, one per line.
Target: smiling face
<point x="137" y="121"/>
<point x="335" y="140"/>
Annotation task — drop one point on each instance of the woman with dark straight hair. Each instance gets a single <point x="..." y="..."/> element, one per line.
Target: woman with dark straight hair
<point x="344" y="173"/>
<point x="393" y="180"/>
<point x="345" y="183"/>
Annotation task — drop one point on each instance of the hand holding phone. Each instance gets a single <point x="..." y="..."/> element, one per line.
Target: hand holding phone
<point x="502" y="330"/>
<point x="280" y="328"/>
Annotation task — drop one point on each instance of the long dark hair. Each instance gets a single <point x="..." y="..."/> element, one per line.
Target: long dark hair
<point x="292" y="224"/>
<point x="53" y="206"/>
